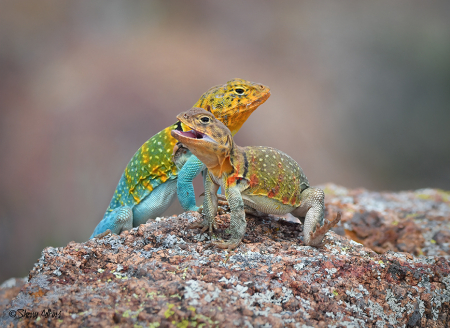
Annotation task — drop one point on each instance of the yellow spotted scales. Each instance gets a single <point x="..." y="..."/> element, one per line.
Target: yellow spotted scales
<point x="269" y="172"/>
<point x="151" y="166"/>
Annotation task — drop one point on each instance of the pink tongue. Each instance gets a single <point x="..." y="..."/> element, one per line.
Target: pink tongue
<point x="189" y="134"/>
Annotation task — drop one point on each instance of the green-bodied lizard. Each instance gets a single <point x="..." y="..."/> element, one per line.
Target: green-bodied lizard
<point x="152" y="178"/>
<point x="258" y="179"/>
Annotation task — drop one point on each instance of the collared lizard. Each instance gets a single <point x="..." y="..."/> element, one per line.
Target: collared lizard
<point x="259" y="179"/>
<point x="152" y="178"/>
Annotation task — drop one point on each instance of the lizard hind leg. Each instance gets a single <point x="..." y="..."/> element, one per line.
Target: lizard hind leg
<point x="156" y="203"/>
<point x="311" y="214"/>
<point x="118" y="220"/>
<point x="316" y="236"/>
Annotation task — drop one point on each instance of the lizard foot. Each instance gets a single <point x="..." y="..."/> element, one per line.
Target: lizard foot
<point x="199" y="225"/>
<point x="103" y="234"/>
<point x="204" y="226"/>
<point x="229" y="245"/>
<point x="315" y="238"/>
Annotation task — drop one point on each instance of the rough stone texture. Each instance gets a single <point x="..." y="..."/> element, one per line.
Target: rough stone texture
<point x="416" y="222"/>
<point x="164" y="275"/>
<point x="9" y="290"/>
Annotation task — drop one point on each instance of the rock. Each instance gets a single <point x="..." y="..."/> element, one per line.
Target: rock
<point x="9" y="290"/>
<point x="162" y="274"/>
<point x="415" y="222"/>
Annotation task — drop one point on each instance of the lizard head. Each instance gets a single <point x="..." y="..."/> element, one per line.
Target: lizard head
<point x="233" y="102"/>
<point x="209" y="139"/>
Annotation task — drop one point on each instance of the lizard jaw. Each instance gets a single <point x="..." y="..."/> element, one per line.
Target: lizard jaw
<point x="193" y="134"/>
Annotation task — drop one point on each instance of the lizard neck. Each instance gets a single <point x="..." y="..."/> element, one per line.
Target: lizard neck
<point x="223" y="166"/>
<point x="238" y="120"/>
<point x="219" y="163"/>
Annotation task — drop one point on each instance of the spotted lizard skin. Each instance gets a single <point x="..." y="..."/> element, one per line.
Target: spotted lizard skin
<point x="258" y="179"/>
<point x="152" y="178"/>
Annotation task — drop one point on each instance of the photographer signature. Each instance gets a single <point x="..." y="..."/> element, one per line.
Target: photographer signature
<point x="23" y="313"/>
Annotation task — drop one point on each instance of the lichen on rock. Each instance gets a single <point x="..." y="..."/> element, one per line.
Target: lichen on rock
<point x="162" y="274"/>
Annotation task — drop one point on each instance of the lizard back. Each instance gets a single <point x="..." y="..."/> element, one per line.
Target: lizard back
<point x="269" y="172"/>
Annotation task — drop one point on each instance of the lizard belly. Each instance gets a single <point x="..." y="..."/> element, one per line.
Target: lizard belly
<point x="267" y="205"/>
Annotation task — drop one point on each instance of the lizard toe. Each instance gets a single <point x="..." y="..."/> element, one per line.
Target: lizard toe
<point x="198" y="225"/>
<point x="229" y="245"/>
<point x="317" y="236"/>
<point x="103" y="234"/>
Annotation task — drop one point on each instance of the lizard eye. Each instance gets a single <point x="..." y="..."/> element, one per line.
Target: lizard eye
<point x="239" y="91"/>
<point x="205" y="119"/>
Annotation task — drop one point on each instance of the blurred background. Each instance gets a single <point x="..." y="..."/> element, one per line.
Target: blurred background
<point x="360" y="97"/>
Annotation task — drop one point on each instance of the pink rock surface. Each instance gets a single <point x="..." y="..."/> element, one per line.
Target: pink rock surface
<point x="165" y="275"/>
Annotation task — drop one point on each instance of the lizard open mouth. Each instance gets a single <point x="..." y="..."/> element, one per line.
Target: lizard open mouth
<point x="193" y="134"/>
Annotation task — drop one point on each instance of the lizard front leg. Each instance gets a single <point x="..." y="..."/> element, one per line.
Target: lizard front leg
<point x="238" y="224"/>
<point x="185" y="188"/>
<point x="209" y="205"/>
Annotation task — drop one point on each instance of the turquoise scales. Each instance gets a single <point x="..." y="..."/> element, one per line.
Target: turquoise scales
<point x="152" y="179"/>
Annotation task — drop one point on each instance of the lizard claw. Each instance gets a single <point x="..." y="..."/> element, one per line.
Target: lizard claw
<point x="316" y="237"/>
<point x="103" y="234"/>
<point x="199" y="225"/>
<point x="204" y="226"/>
<point x="229" y="245"/>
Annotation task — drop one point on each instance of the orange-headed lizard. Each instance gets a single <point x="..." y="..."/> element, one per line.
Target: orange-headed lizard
<point x="152" y="177"/>
<point x="255" y="179"/>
